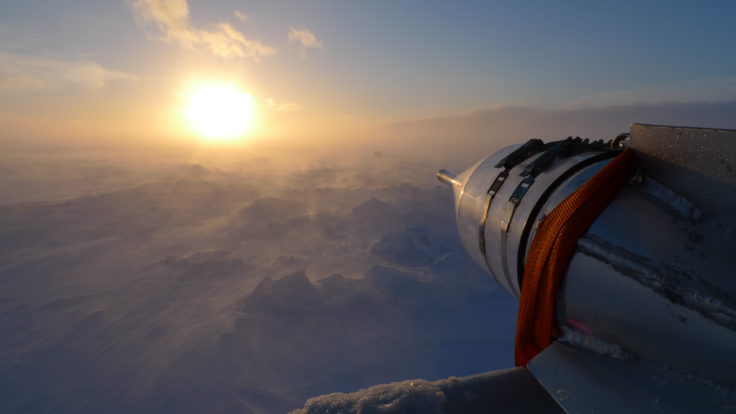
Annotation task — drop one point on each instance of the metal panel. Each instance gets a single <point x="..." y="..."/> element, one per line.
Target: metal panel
<point x="697" y="163"/>
<point x="585" y="382"/>
<point x="659" y="286"/>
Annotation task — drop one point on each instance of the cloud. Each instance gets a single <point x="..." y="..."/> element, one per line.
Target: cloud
<point x="28" y="73"/>
<point x="172" y="22"/>
<point x="305" y="39"/>
<point x="290" y="107"/>
<point x="241" y="16"/>
<point x="286" y="106"/>
<point x="241" y="281"/>
<point x="688" y="91"/>
<point x="415" y="246"/>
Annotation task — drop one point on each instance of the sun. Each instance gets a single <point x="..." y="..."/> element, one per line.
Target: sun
<point x="219" y="111"/>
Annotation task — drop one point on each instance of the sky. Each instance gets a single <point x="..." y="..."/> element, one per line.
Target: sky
<point x="116" y="71"/>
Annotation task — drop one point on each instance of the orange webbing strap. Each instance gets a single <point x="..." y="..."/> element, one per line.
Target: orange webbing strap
<point x="550" y="252"/>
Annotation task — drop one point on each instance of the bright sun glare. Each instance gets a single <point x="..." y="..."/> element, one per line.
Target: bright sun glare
<point x="219" y="111"/>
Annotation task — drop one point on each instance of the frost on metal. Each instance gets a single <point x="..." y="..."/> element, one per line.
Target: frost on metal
<point x="589" y="342"/>
<point x="679" y="287"/>
<point x="671" y="201"/>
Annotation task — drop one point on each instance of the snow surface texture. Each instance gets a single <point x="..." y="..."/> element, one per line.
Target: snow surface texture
<point x="510" y="390"/>
<point x="409" y="396"/>
<point x="189" y="284"/>
<point x="131" y="286"/>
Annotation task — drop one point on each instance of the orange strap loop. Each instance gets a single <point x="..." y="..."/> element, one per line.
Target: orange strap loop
<point x="551" y="250"/>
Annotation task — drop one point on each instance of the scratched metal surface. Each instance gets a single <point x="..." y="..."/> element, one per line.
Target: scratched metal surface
<point x="584" y="382"/>
<point x="697" y="163"/>
<point x="657" y="283"/>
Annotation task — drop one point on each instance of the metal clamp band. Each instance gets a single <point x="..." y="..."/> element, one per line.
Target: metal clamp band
<point x="492" y="190"/>
<point x="511" y="206"/>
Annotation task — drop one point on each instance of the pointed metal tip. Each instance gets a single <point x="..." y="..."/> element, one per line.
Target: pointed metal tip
<point x="447" y="177"/>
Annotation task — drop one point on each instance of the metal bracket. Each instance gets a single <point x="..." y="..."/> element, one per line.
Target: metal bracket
<point x="511" y="206"/>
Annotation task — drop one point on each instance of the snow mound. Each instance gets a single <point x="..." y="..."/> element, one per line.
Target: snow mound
<point x="418" y="396"/>
<point x="509" y="390"/>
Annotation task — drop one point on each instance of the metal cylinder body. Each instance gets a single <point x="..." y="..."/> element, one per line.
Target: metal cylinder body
<point x="653" y="275"/>
<point x="496" y="228"/>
